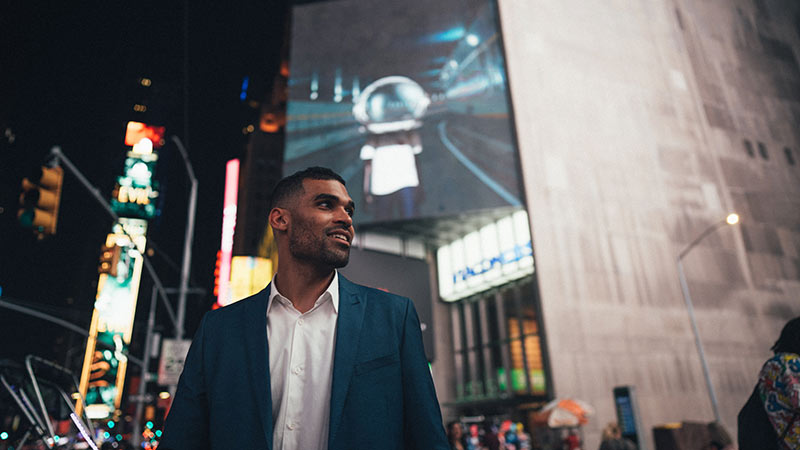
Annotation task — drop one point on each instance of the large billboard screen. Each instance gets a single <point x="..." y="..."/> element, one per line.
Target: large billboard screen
<point x="407" y="101"/>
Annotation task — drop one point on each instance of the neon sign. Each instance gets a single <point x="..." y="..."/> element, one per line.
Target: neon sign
<point x="496" y="254"/>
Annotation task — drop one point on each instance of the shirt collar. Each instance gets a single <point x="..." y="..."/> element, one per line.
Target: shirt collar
<point x="332" y="290"/>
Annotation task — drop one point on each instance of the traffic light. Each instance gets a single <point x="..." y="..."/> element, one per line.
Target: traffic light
<point x="109" y="259"/>
<point x="40" y="198"/>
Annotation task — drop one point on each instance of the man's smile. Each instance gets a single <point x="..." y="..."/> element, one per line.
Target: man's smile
<point x="341" y="235"/>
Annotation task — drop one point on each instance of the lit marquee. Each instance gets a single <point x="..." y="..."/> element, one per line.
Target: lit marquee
<point x="496" y="254"/>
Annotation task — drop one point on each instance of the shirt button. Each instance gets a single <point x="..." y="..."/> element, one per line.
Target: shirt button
<point x="290" y="425"/>
<point x="297" y="370"/>
<point x="300" y="321"/>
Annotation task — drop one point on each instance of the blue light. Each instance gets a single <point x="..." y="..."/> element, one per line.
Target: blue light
<point x="148" y="424"/>
<point x="450" y="35"/>
<point x="4" y="435"/>
<point x="119" y="437"/>
<point x="245" y="84"/>
<point x="106" y="434"/>
<point x="111" y="424"/>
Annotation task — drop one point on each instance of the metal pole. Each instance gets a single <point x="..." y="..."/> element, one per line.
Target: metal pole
<point x="187" y="241"/>
<point x="148" y="341"/>
<point x="690" y="308"/>
<point x="56" y="152"/>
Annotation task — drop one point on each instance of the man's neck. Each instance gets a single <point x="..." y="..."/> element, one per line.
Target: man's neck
<point x="303" y="285"/>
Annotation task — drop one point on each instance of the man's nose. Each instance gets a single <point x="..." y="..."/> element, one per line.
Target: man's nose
<point x="343" y="217"/>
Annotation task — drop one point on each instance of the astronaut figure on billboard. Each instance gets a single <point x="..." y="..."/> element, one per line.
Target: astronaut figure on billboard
<point x="391" y="109"/>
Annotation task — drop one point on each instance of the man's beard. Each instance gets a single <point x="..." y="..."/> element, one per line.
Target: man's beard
<point x="305" y="245"/>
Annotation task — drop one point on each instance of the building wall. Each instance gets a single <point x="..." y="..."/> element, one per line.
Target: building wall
<point x="631" y="119"/>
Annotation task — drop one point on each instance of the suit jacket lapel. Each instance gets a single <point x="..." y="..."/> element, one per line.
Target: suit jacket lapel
<point x="352" y="303"/>
<point x="257" y="356"/>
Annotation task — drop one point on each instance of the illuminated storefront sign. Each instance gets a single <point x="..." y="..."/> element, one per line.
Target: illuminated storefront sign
<point x="228" y="228"/>
<point x="249" y="274"/>
<point x="105" y="361"/>
<point x="136" y="131"/>
<point x="497" y="253"/>
<point x="135" y="191"/>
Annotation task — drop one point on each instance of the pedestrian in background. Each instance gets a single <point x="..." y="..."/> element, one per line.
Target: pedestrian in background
<point x="776" y="398"/>
<point x="456" y="436"/>
<point x="613" y="440"/>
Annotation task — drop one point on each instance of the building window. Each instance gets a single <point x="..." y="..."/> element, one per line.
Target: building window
<point x="497" y="345"/>
<point x="762" y="150"/>
<point x="789" y="157"/>
<point x="748" y="147"/>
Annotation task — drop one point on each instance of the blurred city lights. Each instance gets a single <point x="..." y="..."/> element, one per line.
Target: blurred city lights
<point x="4" y="435"/>
<point x="732" y="219"/>
<point x="149" y="424"/>
<point x="163" y="395"/>
<point x="143" y="147"/>
<point x="472" y="40"/>
<point x="106" y="434"/>
<point x="146" y="82"/>
<point x="111" y="424"/>
<point x="245" y="85"/>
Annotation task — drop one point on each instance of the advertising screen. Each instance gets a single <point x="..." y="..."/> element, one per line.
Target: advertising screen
<point x="407" y="101"/>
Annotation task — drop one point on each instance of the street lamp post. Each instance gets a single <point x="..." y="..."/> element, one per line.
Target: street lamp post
<point x="732" y="219"/>
<point x="187" y="241"/>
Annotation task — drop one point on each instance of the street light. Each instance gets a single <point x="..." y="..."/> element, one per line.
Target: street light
<point x="731" y="219"/>
<point x="187" y="241"/>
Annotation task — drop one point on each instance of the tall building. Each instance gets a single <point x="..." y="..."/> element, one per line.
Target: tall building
<point x="639" y="126"/>
<point x="549" y="162"/>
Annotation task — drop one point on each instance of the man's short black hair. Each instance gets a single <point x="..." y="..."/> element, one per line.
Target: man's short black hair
<point x="292" y="185"/>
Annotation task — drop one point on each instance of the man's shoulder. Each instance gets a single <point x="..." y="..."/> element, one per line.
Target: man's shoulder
<point x="236" y="309"/>
<point x="371" y="293"/>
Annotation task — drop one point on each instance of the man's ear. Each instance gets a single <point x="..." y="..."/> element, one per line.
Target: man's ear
<point x="279" y="219"/>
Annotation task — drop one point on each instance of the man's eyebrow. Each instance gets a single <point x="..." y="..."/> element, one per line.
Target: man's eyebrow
<point x="351" y="204"/>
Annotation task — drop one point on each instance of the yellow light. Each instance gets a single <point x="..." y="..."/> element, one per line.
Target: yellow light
<point x="75" y="396"/>
<point x="732" y="219"/>
<point x="146" y="82"/>
<point x="163" y="395"/>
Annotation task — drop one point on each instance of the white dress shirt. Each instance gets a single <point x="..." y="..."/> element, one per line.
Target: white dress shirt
<point x="301" y="348"/>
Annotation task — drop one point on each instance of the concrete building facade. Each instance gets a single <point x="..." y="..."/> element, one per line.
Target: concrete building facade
<point x="639" y="125"/>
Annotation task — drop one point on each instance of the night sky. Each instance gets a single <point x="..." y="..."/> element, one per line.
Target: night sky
<point x="69" y="76"/>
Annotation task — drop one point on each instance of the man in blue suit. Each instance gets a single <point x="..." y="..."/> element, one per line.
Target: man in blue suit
<point x="314" y="361"/>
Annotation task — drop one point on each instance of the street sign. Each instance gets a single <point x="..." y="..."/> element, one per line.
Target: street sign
<point x="173" y="354"/>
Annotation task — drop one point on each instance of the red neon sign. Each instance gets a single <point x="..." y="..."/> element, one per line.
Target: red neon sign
<point x="228" y="227"/>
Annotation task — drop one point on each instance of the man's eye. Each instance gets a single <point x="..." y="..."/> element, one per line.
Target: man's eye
<point x="324" y="204"/>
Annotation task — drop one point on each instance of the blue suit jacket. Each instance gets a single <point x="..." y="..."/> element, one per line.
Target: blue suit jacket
<point x="382" y="394"/>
